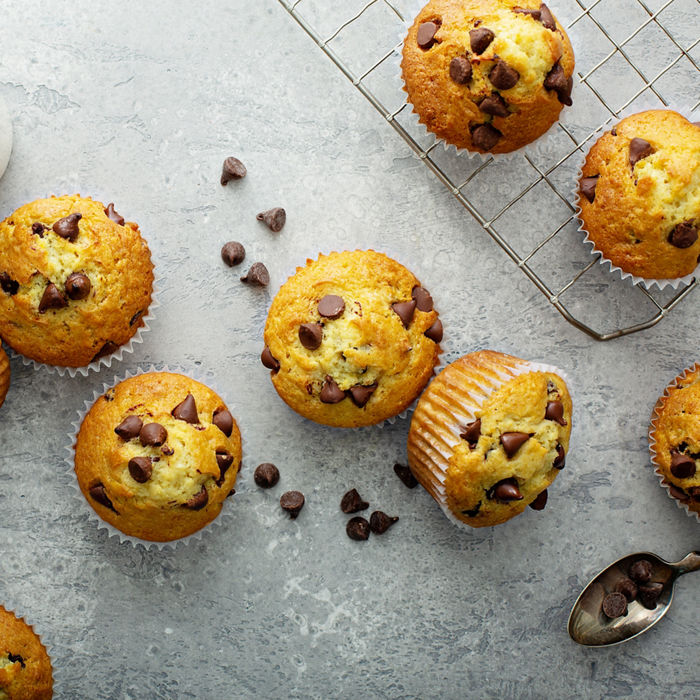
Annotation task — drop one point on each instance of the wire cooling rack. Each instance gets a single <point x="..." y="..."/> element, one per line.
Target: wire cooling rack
<point x="629" y="54"/>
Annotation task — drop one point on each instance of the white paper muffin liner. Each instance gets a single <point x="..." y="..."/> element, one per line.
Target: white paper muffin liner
<point x="531" y="149"/>
<point x="5" y="137"/>
<point x="615" y="270"/>
<point x="82" y="504"/>
<point x="494" y="373"/>
<point x="652" y="441"/>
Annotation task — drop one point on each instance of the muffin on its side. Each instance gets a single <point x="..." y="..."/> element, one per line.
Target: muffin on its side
<point x="489" y="435"/>
<point x="640" y="195"/>
<point x="4" y="375"/>
<point x="351" y="339"/>
<point x="487" y="75"/>
<point x="25" y="667"/>
<point x="157" y="455"/>
<point x="75" y="280"/>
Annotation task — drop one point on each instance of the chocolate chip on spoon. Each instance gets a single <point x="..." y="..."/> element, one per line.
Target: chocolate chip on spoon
<point x="266" y="475"/>
<point x="485" y="136"/>
<point x="67" y="227"/>
<point x="292" y="502"/>
<point x="257" y="275"/>
<point x="232" y="169"/>
<point x="641" y="571"/>
<point x="639" y="149"/>
<point x="129" y="428"/>
<point x="360" y="394"/>
<point x="52" y="298"/>
<point x="352" y="502"/>
<point x="405" y="310"/>
<point x="141" y="469"/>
<point x="198" y="501"/>
<point x="513" y="441"/>
<point x="648" y="594"/>
<point x="406" y="475"/>
<point x="628" y="588"/>
<point x="311" y="335"/>
<point x="460" y="70"/>
<point x="269" y="361"/>
<point x="588" y="185"/>
<point x="223" y="420"/>
<point x="614" y="605"/>
<point x="186" y="410"/>
<point x="503" y="76"/>
<point x="480" y="38"/>
<point x="232" y="253"/>
<point x="331" y="306"/>
<point x="426" y="34"/>
<point x="153" y="435"/>
<point x="114" y="215"/>
<point x="274" y="218"/>
<point x="435" y="331"/>
<point x="380" y="522"/>
<point x="494" y="105"/>
<point x="357" y="529"/>
<point x="683" y="235"/>
<point x="78" y="286"/>
<point x="331" y="392"/>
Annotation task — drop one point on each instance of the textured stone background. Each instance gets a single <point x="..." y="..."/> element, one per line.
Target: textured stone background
<point x="139" y="103"/>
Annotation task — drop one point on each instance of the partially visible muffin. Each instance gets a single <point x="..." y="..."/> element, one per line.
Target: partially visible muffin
<point x="640" y="195"/>
<point x="157" y="455"/>
<point x="4" y="375"/>
<point x="489" y="435"/>
<point x="351" y="339"/>
<point x="25" y="667"/>
<point x="75" y="280"/>
<point x="487" y="75"/>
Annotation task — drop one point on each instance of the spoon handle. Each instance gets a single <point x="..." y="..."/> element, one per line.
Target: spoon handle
<point x="691" y="562"/>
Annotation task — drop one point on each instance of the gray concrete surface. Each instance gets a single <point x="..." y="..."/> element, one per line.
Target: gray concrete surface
<point x="139" y="103"/>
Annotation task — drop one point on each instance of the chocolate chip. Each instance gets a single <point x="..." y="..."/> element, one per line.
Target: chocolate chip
<point x="167" y="450"/>
<point x="435" y="331"/>
<point x="292" y="502"/>
<point x="331" y="306"/>
<point x="424" y="302"/>
<point x="38" y="229"/>
<point x="613" y="131"/>
<point x="107" y="349"/>
<point x="257" y="275"/>
<point x="360" y="394"/>
<point x="485" y="136"/>
<point x="232" y="169"/>
<point x="460" y="70"/>
<point x="129" y="428"/>
<point x="380" y="522"/>
<point x="627" y="587"/>
<point x="406" y="475"/>
<point x="555" y="412"/>
<point x="67" y="227"/>
<point x="588" y="185"/>
<point x="232" y="253"/>
<point x="639" y="149"/>
<point x="473" y="512"/>
<point x="16" y="658"/>
<point x="426" y="35"/>
<point x="648" y="595"/>
<point x="472" y="432"/>
<point x="153" y="435"/>
<point x="560" y="459"/>
<point x="678" y="493"/>
<point x="535" y="14"/>
<point x="269" y="361"/>
<point x="641" y="571"/>
<point x="614" y="605"/>
<point x="224" y="459"/>
<point x="682" y="466"/>
<point x="331" y="392"/>
<point x="547" y="18"/>
<point x="8" y="285"/>
<point x="513" y="441"/>
<point x="99" y="493"/>
<point x="266" y="475"/>
<point x="480" y="39"/>
<point x="135" y="317"/>
<point x="198" y="501"/>
<point x="694" y="493"/>
<point x="274" y="219"/>
<point x="503" y="76"/>
<point x="186" y="410"/>
<point x="78" y="286"/>
<point x="141" y="469"/>
<point x="683" y="235"/>
<point x="53" y="298"/>
<point x="223" y="420"/>
<point x="556" y="80"/>
<point x="405" y="310"/>
<point x="311" y="335"/>
<point x="114" y="215"/>
<point x="495" y="105"/>
<point x="540" y="502"/>
<point x="505" y="490"/>
<point x="357" y="529"/>
<point x="352" y="502"/>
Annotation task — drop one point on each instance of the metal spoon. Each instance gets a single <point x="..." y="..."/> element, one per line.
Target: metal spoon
<point x="588" y="624"/>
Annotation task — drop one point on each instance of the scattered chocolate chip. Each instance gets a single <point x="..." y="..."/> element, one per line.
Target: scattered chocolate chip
<point x="107" y="349"/>
<point x="472" y="432"/>
<point x="232" y="253"/>
<point x="641" y="571"/>
<point x="588" y="185"/>
<point x="8" y="285"/>
<point x="224" y="459"/>
<point x="352" y="502"/>
<point x="503" y="76"/>
<point x="311" y="335"/>
<point x="535" y="14"/>
<point x="257" y="275"/>
<point x="547" y="18"/>
<point x="232" y="169"/>
<point x="555" y="412"/>
<point x="560" y="459"/>
<point x="266" y="475"/>
<point x="426" y="35"/>
<point x="505" y="490"/>
<point x="38" y="229"/>
<point x="67" y="227"/>
<point x="153" y="435"/>
<point x="639" y="149"/>
<point x="331" y="306"/>
<point x="614" y="605"/>
<point x="380" y="522"/>
<point x="53" y="298"/>
<point x="460" y="70"/>
<point x="269" y="361"/>
<point x="613" y="131"/>
<point x="78" y="286"/>
<point x="357" y="529"/>
<point x="472" y="513"/>
<point x="424" y="302"/>
<point x="198" y="501"/>
<point x="111" y="213"/>
<point x="141" y="469"/>
<point x="485" y="136"/>
<point x="136" y="317"/>
<point x="683" y="235"/>
<point x="405" y="310"/>
<point x="495" y="105"/>
<point x="406" y="475"/>
<point x="274" y="219"/>
<point x="186" y="410"/>
<point x="678" y="493"/>
<point x="540" y="502"/>
<point x="129" y="428"/>
<point x="99" y="493"/>
<point x="360" y="394"/>
<point x="556" y="80"/>
<point x="292" y="502"/>
<point x="16" y="658"/>
<point x="513" y="441"/>
<point x="628" y="588"/>
<point x="223" y="420"/>
<point x="435" y="331"/>
<point x="648" y="594"/>
<point x="682" y="466"/>
<point x="331" y="392"/>
<point x="167" y="450"/>
<point x="480" y="39"/>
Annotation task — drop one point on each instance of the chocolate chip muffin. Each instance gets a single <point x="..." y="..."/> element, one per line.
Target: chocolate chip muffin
<point x="674" y="439"/>
<point x="487" y="75"/>
<point x="4" y="375"/>
<point x="489" y="435"/>
<point x="351" y="339"/>
<point x="157" y="455"/>
<point x="25" y="667"/>
<point x="75" y="280"/>
<point x="639" y="195"/>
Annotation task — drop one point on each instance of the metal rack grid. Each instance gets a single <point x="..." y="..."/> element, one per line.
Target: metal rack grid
<point x="589" y="296"/>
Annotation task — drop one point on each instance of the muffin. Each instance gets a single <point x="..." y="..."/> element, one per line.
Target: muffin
<point x="157" y="455"/>
<point x="351" y="339"/>
<point x="75" y="280"/>
<point x="4" y="375"/>
<point x="675" y="439"/>
<point x="489" y="435"/>
<point x="639" y="195"/>
<point x="25" y="667"/>
<point x="487" y="75"/>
